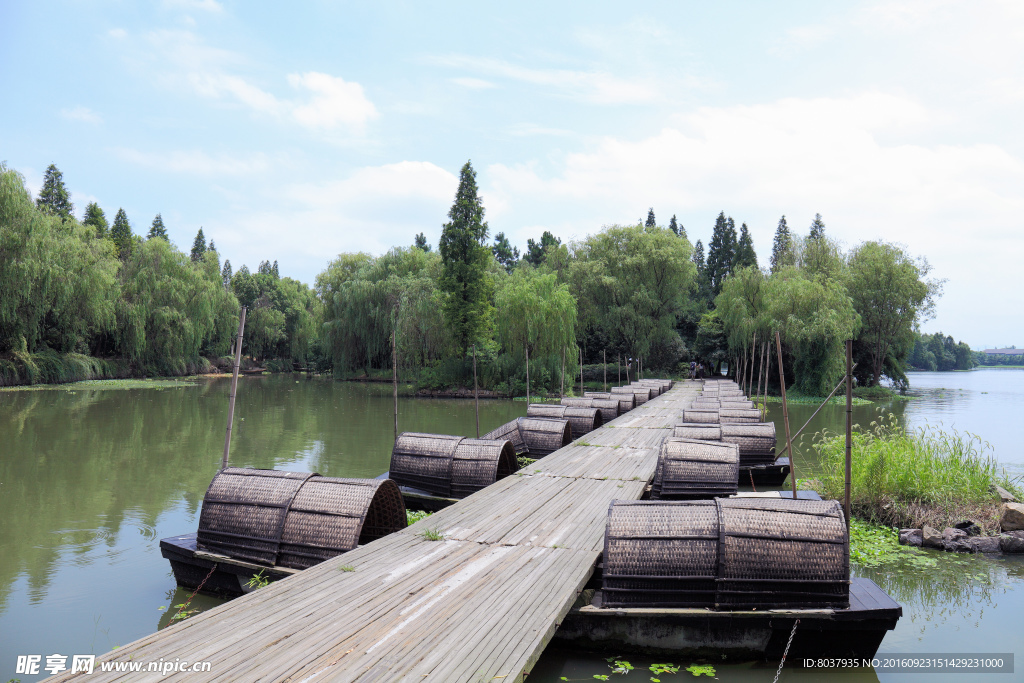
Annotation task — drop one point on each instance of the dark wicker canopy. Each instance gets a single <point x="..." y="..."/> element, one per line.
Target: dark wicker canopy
<point x="756" y="442"/>
<point x="655" y="389"/>
<point x="729" y="553"/>
<point x="642" y="394"/>
<point x="294" y="519"/>
<point x="692" y="469"/>
<point x="627" y="400"/>
<point x="698" y="430"/>
<point x="544" y="435"/>
<point x="450" y="466"/>
<point x="735" y="404"/>
<point x="609" y="407"/>
<point x="740" y="416"/>
<point x="582" y="420"/>
<point x="703" y="416"/>
<point x="509" y="432"/>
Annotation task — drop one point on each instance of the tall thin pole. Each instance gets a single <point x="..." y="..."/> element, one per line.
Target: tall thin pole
<point x="561" y="389"/>
<point x="849" y="428"/>
<point x="760" y="369"/>
<point x="476" y="397"/>
<point x="767" y="366"/>
<point x="234" y="389"/>
<point x="618" y="366"/>
<point x="581" y="371"/>
<point x="527" y="373"/>
<point x="753" y="358"/>
<point x="785" y="415"/>
<point x="604" y="363"/>
<point x="394" y="374"/>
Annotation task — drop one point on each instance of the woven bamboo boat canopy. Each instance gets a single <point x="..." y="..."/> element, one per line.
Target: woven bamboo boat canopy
<point x="609" y="407"/>
<point x="450" y="466"/>
<point x="627" y="400"/>
<point x="701" y="415"/>
<point x="294" y="519"/>
<point x="727" y="554"/>
<point x="535" y="436"/>
<point x="655" y="389"/>
<point x="692" y="469"/>
<point x="582" y="420"/>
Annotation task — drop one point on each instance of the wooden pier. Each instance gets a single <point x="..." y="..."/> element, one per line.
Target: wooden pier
<point x="479" y="605"/>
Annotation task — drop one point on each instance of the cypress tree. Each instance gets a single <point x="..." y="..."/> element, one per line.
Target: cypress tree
<point x="651" y="223"/>
<point x="421" y="242"/>
<point x="95" y="218"/>
<point x="211" y="247"/>
<point x="225" y="274"/>
<point x="504" y="252"/>
<point x="157" y="229"/>
<point x="275" y="271"/>
<point x="121" y="233"/>
<point x="537" y="252"/>
<point x="721" y="252"/>
<point x="781" y="245"/>
<point x="817" y="228"/>
<point x="745" y="255"/>
<point x="703" y="284"/>
<point x="673" y="225"/>
<point x="464" y="263"/>
<point x="198" y="246"/>
<point x="53" y="198"/>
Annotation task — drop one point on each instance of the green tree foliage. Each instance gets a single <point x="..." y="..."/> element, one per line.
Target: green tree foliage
<point x="53" y="198"/>
<point x="537" y="252"/>
<point x="95" y="219"/>
<point x="745" y="256"/>
<point x="711" y="343"/>
<point x="821" y="258"/>
<point x="721" y="252"/>
<point x="282" y="316"/>
<point x="740" y="307"/>
<point x="651" y="221"/>
<point x="940" y="352"/>
<point x="504" y="252"/>
<point x="198" y="247"/>
<point x="421" y="242"/>
<point x="226" y="274"/>
<point x="58" y="281"/>
<point x="632" y="284"/>
<point x="782" y="247"/>
<point x="817" y="228"/>
<point x="537" y="315"/>
<point x="157" y="229"/>
<point x="465" y="259"/>
<point x="121" y="233"/>
<point x="892" y="294"/>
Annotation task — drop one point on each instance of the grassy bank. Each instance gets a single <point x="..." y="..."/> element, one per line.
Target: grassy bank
<point x="49" y="367"/>
<point x="908" y="479"/>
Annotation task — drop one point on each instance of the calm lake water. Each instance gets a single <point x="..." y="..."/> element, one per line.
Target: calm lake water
<point x="92" y="478"/>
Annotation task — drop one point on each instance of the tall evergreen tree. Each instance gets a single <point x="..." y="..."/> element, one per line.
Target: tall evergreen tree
<point x="157" y="229"/>
<point x="504" y="252"/>
<point x="721" y="252"/>
<point x="121" y="233"/>
<point x="673" y="225"/>
<point x="95" y="218"/>
<point x="745" y="255"/>
<point x="421" y="242"/>
<point x="702" y="280"/>
<point x="225" y="274"/>
<point x="211" y="246"/>
<point x="464" y="263"/>
<point x="275" y="271"/>
<point x="536" y="252"/>
<point x="198" y="246"/>
<point x="53" y="198"/>
<point x="782" y="246"/>
<point x="651" y="222"/>
<point x="817" y="228"/>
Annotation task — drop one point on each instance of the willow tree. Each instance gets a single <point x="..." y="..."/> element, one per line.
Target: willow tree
<point x="892" y="294"/>
<point x="740" y="306"/>
<point x="633" y="284"/>
<point x="536" y="314"/>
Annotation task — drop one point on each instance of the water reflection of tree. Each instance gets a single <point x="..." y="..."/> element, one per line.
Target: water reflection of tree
<point x="960" y="586"/>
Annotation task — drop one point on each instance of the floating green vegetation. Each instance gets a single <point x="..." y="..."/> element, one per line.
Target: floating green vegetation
<point x="622" y="667"/>
<point x="793" y="397"/>
<point x="107" y="384"/>
<point x="907" y="479"/>
<point x="874" y="545"/>
<point x="413" y="516"/>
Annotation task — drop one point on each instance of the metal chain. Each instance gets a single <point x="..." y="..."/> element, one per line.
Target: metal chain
<point x="201" y="583"/>
<point x="791" y="634"/>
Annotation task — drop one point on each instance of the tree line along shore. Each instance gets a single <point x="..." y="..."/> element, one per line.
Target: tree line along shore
<point x="84" y="299"/>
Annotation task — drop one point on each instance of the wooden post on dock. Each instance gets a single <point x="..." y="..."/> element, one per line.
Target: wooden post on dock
<point x="785" y="415"/>
<point x="618" y="366"/>
<point x="527" y="370"/>
<point x="753" y="358"/>
<point x="476" y="397"/>
<point x="581" y="371"/>
<point x="234" y="389"/>
<point x="394" y="374"/>
<point x="849" y="430"/>
<point x="604" y="364"/>
<point x="561" y="390"/>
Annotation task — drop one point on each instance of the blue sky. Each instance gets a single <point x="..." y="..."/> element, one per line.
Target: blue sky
<point x="298" y="132"/>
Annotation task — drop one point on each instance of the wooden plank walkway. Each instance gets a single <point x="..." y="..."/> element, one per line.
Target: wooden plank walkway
<point x="480" y="605"/>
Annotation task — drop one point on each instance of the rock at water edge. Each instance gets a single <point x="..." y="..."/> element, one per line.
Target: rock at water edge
<point x="985" y="544"/>
<point x="911" y="537"/>
<point x="931" y="538"/>
<point x="1012" y="517"/>
<point x="1012" y="542"/>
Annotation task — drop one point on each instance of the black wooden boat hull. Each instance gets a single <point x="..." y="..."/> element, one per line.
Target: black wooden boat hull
<point x="766" y="475"/>
<point x="229" y="579"/>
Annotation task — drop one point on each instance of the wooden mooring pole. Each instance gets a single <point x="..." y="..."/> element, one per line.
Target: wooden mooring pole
<point x="476" y="397"/>
<point x="849" y="430"/>
<point x="394" y="375"/>
<point x="785" y="415"/>
<point x="604" y="363"/>
<point x="234" y="389"/>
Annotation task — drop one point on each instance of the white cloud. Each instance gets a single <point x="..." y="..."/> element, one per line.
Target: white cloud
<point x="334" y="101"/>
<point x="593" y="86"/>
<point x="204" y="5"/>
<point x="195" y="162"/>
<point x="473" y="83"/>
<point x="81" y="113"/>
<point x="118" y="33"/>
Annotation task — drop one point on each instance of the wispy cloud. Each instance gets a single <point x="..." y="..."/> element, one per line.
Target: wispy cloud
<point x="195" y="162"/>
<point x="598" y="87"/>
<point x="473" y="83"/>
<point x="83" y="114"/>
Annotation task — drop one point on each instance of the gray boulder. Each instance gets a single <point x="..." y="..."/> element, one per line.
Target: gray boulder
<point x="969" y="527"/>
<point x="955" y="541"/>
<point x="930" y="537"/>
<point x="1012" y="542"/>
<point x="911" y="537"/>
<point x="1003" y="494"/>
<point x="1012" y="517"/>
<point x="951" y="534"/>
<point x="984" y="544"/>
